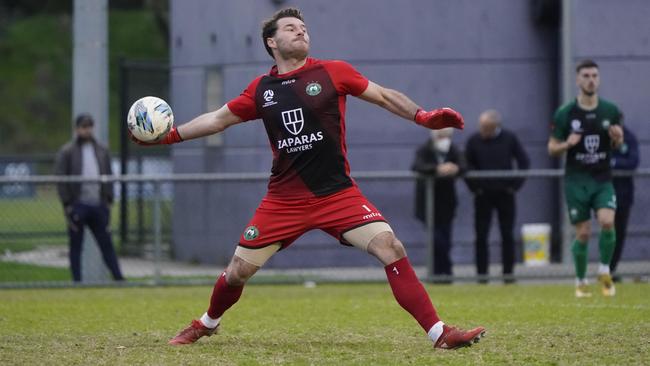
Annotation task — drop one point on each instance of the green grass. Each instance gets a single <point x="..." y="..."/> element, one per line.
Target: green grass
<point x="330" y="324"/>
<point x="19" y="272"/>
<point x="42" y="218"/>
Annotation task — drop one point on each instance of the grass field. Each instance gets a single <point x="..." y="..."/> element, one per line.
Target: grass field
<point x="40" y="221"/>
<point x="331" y="324"/>
<point x="20" y="272"/>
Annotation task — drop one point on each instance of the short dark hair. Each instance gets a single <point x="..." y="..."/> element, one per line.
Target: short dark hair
<point x="84" y="119"/>
<point x="585" y="64"/>
<point x="270" y="26"/>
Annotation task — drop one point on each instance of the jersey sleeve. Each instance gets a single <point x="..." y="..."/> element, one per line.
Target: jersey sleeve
<point x="244" y="105"/>
<point x="347" y="80"/>
<point x="559" y="125"/>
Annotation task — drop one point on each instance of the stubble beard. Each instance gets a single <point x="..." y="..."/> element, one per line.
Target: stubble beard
<point x="588" y="93"/>
<point x="298" y="53"/>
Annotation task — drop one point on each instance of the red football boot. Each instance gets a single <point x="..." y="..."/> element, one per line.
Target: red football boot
<point x="192" y="333"/>
<point x="453" y="337"/>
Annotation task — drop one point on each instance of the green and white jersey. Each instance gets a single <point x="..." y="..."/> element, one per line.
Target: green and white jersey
<point x="591" y="156"/>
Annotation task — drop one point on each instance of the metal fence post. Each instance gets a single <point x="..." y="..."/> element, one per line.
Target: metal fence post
<point x="140" y="203"/>
<point x="157" y="235"/>
<point x="430" y="183"/>
<point x="124" y="156"/>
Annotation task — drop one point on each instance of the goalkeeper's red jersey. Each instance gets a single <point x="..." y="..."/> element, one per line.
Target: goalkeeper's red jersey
<point x="304" y="116"/>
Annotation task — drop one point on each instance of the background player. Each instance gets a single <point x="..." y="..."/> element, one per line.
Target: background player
<point x="587" y="128"/>
<point x="302" y="103"/>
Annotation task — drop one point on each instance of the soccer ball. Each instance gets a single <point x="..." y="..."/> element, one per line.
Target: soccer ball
<point x="150" y="119"/>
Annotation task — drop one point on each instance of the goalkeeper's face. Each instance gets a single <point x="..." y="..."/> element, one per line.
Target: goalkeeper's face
<point x="291" y="40"/>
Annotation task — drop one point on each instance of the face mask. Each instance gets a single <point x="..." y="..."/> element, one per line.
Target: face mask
<point x="443" y="144"/>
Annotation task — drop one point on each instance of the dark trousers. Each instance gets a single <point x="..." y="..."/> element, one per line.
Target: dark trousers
<point x="97" y="220"/>
<point x="620" y="224"/>
<point x="442" y="248"/>
<point x="484" y="204"/>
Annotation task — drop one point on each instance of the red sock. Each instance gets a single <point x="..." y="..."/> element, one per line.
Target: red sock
<point x="223" y="297"/>
<point x="410" y="293"/>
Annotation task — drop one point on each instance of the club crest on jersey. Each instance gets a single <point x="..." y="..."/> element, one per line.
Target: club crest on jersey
<point x="313" y="89"/>
<point x="293" y="121"/>
<point x="606" y="123"/>
<point x="251" y="233"/>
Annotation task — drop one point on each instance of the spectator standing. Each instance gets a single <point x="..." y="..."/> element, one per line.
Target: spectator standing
<point x="439" y="157"/>
<point x="625" y="157"/>
<point x="87" y="204"/>
<point x="494" y="148"/>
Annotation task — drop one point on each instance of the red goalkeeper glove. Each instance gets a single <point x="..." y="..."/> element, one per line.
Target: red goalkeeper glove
<point x="172" y="137"/>
<point x="439" y="118"/>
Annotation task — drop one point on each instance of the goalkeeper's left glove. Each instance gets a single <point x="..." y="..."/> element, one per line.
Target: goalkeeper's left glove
<point x="439" y="118"/>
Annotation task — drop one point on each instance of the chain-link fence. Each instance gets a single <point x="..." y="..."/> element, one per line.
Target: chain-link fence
<point x="34" y="251"/>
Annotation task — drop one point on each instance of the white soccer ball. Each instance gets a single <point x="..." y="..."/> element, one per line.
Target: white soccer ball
<point x="150" y="119"/>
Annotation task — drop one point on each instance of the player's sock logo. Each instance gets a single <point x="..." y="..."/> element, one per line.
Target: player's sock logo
<point x="396" y="271"/>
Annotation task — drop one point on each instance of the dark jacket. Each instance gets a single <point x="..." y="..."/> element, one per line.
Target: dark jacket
<point x="498" y="153"/>
<point x="68" y="162"/>
<point x="445" y="201"/>
<point x="626" y="157"/>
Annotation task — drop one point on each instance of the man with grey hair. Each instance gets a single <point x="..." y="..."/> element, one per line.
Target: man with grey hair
<point x="494" y="148"/>
<point x="439" y="157"/>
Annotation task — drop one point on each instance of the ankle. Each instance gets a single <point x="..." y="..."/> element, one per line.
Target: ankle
<point x="603" y="268"/>
<point x="209" y="322"/>
<point x="436" y="331"/>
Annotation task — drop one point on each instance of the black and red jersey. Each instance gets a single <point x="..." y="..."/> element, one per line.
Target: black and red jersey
<point x="304" y="116"/>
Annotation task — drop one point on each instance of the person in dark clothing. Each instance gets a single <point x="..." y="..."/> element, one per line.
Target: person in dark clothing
<point x="87" y="203"/>
<point x="494" y="148"/>
<point x="626" y="157"/>
<point x="441" y="158"/>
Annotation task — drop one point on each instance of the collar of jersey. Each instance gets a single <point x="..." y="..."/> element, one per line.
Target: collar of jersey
<point x="274" y="70"/>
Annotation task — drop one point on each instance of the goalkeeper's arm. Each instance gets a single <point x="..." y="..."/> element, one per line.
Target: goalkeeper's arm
<point x="401" y="105"/>
<point x="203" y="125"/>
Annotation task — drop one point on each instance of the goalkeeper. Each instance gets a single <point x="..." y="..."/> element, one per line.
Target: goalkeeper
<point x="302" y="104"/>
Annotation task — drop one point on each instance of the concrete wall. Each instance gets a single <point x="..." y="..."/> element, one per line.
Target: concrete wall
<point x="466" y="54"/>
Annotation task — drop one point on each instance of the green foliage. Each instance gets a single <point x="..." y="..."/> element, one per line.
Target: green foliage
<point x="36" y="76"/>
<point x="35" y="88"/>
<point x="330" y="324"/>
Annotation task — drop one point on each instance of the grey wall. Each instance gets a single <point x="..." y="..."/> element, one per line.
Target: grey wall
<point x="466" y="54"/>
